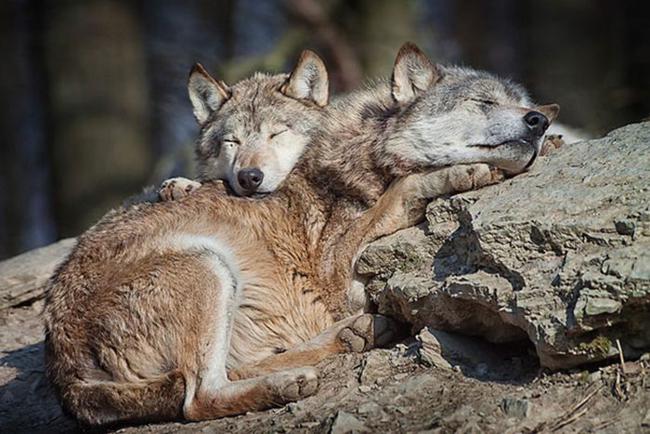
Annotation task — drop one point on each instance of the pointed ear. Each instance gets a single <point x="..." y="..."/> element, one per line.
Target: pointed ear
<point x="308" y="80"/>
<point x="206" y="93"/>
<point x="413" y="73"/>
<point x="549" y="110"/>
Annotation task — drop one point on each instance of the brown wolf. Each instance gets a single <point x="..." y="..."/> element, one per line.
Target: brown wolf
<point x="213" y="305"/>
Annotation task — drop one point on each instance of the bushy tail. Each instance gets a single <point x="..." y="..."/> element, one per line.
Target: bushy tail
<point x="96" y="403"/>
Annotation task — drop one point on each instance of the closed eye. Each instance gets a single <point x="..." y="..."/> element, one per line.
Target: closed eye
<point x="484" y="101"/>
<point x="277" y="133"/>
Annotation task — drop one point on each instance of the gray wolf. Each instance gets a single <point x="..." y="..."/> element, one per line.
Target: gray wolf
<point x="214" y="305"/>
<point x="253" y="133"/>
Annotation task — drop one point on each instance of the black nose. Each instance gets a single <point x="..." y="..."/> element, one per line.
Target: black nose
<point x="537" y="123"/>
<point x="250" y="178"/>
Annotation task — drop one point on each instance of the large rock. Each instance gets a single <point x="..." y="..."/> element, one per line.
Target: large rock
<point x="559" y="255"/>
<point x="23" y="278"/>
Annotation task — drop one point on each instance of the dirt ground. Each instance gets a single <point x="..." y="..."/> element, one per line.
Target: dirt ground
<point x="387" y="390"/>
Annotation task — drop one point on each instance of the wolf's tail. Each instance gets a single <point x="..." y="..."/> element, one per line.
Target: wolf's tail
<point x="96" y="403"/>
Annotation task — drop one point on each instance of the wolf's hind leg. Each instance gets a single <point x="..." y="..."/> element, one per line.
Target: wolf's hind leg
<point x="354" y="334"/>
<point x="255" y="394"/>
<point x="209" y="393"/>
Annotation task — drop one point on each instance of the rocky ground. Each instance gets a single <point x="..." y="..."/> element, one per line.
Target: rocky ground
<point x="549" y="270"/>
<point x="480" y="388"/>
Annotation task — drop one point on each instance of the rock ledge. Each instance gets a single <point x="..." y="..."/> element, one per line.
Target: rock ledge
<point x="559" y="256"/>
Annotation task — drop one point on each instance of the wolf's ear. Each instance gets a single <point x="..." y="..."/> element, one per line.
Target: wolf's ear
<point x="206" y="93"/>
<point x="549" y="110"/>
<point x="308" y="80"/>
<point x="413" y="73"/>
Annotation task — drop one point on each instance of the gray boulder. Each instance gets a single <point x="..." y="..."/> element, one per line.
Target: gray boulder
<point x="559" y="255"/>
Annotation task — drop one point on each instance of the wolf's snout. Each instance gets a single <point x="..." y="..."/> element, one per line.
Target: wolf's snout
<point x="536" y="122"/>
<point x="250" y="178"/>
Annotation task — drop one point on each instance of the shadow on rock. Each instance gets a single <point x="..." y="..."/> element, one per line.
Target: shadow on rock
<point x="27" y="402"/>
<point x="511" y="363"/>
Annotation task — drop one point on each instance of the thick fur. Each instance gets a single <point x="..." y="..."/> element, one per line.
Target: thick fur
<point x="207" y="306"/>
<point x="262" y="123"/>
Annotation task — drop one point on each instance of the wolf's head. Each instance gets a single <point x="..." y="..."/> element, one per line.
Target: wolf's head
<point x="253" y="133"/>
<point x="452" y="115"/>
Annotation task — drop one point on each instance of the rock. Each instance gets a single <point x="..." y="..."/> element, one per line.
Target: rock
<point x="375" y="368"/>
<point x="430" y="351"/>
<point x="369" y="408"/>
<point x="517" y="408"/>
<point x="646" y="420"/>
<point x="294" y="407"/>
<point x="645" y="357"/>
<point x="625" y="226"/>
<point x="23" y="278"/>
<point x="559" y="255"/>
<point x="345" y="423"/>
<point x="595" y="377"/>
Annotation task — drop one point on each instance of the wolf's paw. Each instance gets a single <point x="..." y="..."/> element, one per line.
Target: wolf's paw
<point x="551" y="143"/>
<point x="175" y="188"/>
<point x="366" y="332"/>
<point x="294" y="384"/>
<point x="470" y="177"/>
<point x="496" y="175"/>
<point x="481" y="175"/>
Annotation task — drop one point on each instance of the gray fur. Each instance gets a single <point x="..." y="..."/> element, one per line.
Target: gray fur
<point x="427" y="116"/>
<point x="371" y="137"/>
<point x="467" y="116"/>
<point x="265" y="123"/>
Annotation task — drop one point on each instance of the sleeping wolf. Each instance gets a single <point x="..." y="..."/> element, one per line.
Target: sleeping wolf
<point x="213" y="305"/>
<point x="254" y="140"/>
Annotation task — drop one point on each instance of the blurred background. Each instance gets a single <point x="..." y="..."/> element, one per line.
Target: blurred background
<point x="94" y="103"/>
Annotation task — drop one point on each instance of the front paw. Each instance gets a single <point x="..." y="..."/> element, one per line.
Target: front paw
<point x="482" y="175"/>
<point x="470" y="177"/>
<point x="175" y="188"/>
<point x="293" y="384"/>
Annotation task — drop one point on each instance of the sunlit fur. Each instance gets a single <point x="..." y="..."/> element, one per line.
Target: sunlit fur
<point x="263" y="122"/>
<point x="468" y="116"/>
<point x="212" y="305"/>
<point x="258" y="127"/>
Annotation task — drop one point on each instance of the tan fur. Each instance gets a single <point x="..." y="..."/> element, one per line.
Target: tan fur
<point x="125" y="308"/>
<point x="224" y="298"/>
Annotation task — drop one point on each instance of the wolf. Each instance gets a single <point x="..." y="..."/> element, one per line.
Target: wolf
<point x="257" y="138"/>
<point x="214" y="305"/>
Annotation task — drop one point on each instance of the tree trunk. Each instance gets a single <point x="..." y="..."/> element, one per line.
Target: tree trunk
<point x="98" y="108"/>
<point x="25" y="212"/>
